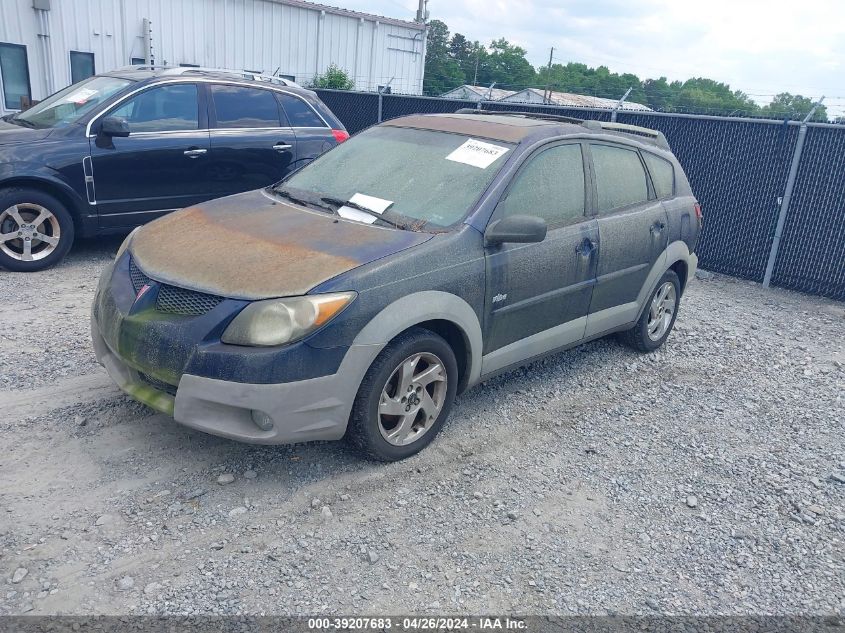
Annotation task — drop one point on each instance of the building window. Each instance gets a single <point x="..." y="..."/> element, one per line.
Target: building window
<point x="189" y="65"/>
<point x="81" y="66"/>
<point x="14" y="75"/>
<point x="138" y="61"/>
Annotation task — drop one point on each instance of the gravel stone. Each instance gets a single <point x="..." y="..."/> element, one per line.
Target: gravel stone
<point x="595" y="450"/>
<point x="692" y="501"/>
<point x="19" y="575"/>
<point x="225" y="478"/>
<point x="126" y="583"/>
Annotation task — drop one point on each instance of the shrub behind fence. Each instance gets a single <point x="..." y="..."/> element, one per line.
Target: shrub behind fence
<point x="738" y="169"/>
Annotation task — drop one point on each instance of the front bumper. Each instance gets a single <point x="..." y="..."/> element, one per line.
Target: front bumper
<point x="301" y="411"/>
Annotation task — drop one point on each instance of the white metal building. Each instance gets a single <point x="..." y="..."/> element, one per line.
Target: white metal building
<point x="535" y="95"/>
<point x="468" y="92"/>
<point x="48" y="44"/>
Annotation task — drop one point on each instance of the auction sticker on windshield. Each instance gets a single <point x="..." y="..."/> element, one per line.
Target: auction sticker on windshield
<point x="477" y="153"/>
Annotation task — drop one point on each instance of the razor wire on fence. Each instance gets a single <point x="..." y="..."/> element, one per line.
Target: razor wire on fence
<point x="738" y="169"/>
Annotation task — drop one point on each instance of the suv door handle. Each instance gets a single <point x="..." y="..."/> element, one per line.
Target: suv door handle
<point x="586" y="247"/>
<point x="282" y="147"/>
<point x="194" y="153"/>
<point x="658" y="227"/>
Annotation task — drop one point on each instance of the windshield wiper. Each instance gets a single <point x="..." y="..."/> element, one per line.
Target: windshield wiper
<point x="22" y="122"/>
<point x="338" y="202"/>
<point x="303" y="200"/>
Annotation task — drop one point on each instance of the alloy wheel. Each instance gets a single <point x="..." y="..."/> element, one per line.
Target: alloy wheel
<point x="661" y="311"/>
<point x="28" y="232"/>
<point x="412" y="399"/>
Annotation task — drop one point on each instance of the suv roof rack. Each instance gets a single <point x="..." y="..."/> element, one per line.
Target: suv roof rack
<point x="592" y="124"/>
<point x="201" y="70"/>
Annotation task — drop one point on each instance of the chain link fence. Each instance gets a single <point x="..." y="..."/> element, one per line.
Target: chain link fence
<point x="738" y="169"/>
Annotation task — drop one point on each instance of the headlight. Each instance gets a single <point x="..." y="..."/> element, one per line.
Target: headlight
<point x="280" y="321"/>
<point x="126" y="243"/>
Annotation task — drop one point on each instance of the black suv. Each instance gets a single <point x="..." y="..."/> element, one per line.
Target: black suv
<point x="119" y="149"/>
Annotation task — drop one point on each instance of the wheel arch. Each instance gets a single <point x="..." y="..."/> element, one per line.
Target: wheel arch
<point x="62" y="193"/>
<point x="441" y="312"/>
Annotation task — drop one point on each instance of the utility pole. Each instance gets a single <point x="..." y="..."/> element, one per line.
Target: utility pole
<point x="547" y="93"/>
<point x="421" y="11"/>
<point x="477" y="57"/>
<point x="619" y="105"/>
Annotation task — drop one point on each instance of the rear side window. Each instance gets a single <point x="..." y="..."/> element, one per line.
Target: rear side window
<point x="550" y="186"/>
<point x="299" y="113"/>
<point x="662" y="175"/>
<point x="620" y="177"/>
<point x="239" y="107"/>
<point x="162" y="109"/>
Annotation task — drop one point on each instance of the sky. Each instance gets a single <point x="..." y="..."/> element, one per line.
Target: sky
<point x="759" y="47"/>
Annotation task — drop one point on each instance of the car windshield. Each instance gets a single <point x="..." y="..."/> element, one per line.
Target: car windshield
<point x="419" y="177"/>
<point x="68" y="105"/>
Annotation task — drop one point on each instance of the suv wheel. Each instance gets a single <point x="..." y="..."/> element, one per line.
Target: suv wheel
<point x="36" y="231"/>
<point x="405" y="397"/>
<point x="658" y="318"/>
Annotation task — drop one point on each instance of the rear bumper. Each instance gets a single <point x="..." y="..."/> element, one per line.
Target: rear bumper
<point x="301" y="411"/>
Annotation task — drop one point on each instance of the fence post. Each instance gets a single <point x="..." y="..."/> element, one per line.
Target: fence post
<point x="619" y="105"/>
<point x="381" y="90"/>
<point x="787" y="195"/>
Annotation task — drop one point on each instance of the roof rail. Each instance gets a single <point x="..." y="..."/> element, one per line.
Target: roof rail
<point x="657" y="135"/>
<point x="530" y="115"/>
<point x="201" y="70"/>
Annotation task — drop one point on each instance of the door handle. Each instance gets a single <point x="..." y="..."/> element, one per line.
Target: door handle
<point x="586" y="247"/>
<point x="194" y="153"/>
<point x="282" y="147"/>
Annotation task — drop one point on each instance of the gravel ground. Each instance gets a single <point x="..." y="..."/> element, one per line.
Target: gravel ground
<point x="707" y="478"/>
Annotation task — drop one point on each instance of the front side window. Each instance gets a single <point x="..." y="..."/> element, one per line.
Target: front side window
<point x="81" y="66"/>
<point x="14" y="75"/>
<point x="620" y="177"/>
<point x="239" y="107"/>
<point x="426" y="175"/>
<point x="166" y="108"/>
<point x="550" y="186"/>
<point x="662" y="175"/>
<point x="299" y="113"/>
<point x="68" y="105"/>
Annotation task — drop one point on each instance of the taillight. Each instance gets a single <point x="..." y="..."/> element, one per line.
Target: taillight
<point x="340" y="135"/>
<point x="698" y="213"/>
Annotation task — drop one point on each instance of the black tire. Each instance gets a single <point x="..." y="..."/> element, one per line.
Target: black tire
<point x="364" y="430"/>
<point x="638" y="336"/>
<point x="28" y="199"/>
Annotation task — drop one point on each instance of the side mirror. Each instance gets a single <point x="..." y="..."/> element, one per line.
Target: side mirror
<point x="114" y="126"/>
<point x="516" y="228"/>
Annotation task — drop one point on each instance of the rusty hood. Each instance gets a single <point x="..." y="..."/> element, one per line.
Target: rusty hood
<point x="252" y="246"/>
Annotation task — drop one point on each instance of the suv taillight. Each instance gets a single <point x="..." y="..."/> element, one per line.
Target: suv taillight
<point x="340" y="135"/>
<point x="698" y="213"/>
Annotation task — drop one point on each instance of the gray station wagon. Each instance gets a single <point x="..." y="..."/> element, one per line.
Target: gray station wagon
<point x="359" y="295"/>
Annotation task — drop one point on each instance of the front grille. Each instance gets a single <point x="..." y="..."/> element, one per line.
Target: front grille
<point x="139" y="279"/>
<point x="172" y="299"/>
<point x="155" y="383"/>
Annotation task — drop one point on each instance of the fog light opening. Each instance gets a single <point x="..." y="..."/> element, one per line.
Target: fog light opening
<point x="262" y="420"/>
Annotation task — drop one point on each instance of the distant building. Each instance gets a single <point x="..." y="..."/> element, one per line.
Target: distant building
<point x="48" y="44"/>
<point x="477" y="93"/>
<point x="535" y="95"/>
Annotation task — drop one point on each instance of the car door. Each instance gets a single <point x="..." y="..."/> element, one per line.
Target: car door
<point x="160" y="166"/>
<point x="538" y="294"/>
<point x="633" y="230"/>
<point x="252" y="144"/>
<point x="313" y="134"/>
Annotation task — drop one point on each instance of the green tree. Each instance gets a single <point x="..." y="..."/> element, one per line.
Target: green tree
<point x="793" y="106"/>
<point x="506" y="65"/>
<point x="335" y="78"/>
<point x="468" y="55"/>
<point x="442" y="72"/>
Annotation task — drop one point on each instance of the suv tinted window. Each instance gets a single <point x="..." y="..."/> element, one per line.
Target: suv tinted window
<point x="550" y="186"/>
<point x="300" y="114"/>
<point x="620" y="177"/>
<point x="162" y="109"/>
<point x="244" y="107"/>
<point x="662" y="175"/>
